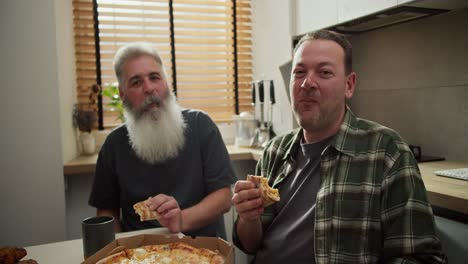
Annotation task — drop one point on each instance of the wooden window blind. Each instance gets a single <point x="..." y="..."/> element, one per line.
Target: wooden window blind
<point x="85" y="52"/>
<point x="244" y="54"/>
<point x="199" y="50"/>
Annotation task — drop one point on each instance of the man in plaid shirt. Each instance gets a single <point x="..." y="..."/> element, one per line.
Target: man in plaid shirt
<point x="351" y="190"/>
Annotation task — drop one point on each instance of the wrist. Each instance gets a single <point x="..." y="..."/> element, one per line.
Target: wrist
<point x="184" y="221"/>
<point x="246" y="221"/>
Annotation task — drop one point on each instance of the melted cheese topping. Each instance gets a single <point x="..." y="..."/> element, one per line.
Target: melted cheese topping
<point x="150" y="260"/>
<point x="143" y="256"/>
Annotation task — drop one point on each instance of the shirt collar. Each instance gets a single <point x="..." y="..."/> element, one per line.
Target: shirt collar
<point x="296" y="143"/>
<point x="343" y="141"/>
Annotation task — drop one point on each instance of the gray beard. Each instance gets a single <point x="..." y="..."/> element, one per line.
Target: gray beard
<point x="158" y="134"/>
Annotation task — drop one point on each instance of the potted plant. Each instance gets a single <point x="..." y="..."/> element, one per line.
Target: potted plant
<point x="84" y="120"/>
<point x="111" y="91"/>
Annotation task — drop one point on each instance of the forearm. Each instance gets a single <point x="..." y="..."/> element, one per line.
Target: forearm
<point x="206" y="211"/>
<point x="114" y="213"/>
<point x="249" y="234"/>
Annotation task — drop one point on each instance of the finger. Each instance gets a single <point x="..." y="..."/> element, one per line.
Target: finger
<point x="249" y="205"/>
<point x="167" y="205"/>
<point x="172" y="213"/>
<point x="155" y="202"/>
<point x="245" y="195"/>
<point x="243" y="185"/>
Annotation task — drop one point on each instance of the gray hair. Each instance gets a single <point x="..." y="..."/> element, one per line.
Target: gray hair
<point x="133" y="50"/>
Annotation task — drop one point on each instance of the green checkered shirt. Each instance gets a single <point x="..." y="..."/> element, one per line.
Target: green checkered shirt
<point x="371" y="206"/>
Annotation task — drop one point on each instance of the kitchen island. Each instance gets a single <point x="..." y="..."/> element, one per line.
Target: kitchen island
<point x="443" y="192"/>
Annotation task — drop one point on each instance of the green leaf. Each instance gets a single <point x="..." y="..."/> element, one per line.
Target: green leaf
<point x="112" y="92"/>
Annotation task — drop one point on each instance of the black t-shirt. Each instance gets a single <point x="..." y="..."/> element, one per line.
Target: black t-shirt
<point x="202" y="166"/>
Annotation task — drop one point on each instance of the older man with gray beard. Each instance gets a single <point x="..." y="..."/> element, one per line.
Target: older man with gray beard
<point x="175" y="156"/>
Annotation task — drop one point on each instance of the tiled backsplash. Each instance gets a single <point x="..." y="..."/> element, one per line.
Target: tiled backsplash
<point x="413" y="78"/>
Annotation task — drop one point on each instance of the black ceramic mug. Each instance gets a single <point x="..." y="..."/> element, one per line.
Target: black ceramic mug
<point x="98" y="231"/>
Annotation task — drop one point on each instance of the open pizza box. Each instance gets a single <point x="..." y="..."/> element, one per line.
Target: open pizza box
<point x="213" y="243"/>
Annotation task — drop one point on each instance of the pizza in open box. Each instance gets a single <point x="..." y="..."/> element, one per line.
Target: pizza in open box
<point x="173" y="253"/>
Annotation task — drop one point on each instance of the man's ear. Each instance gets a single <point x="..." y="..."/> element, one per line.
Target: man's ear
<point x="350" y="85"/>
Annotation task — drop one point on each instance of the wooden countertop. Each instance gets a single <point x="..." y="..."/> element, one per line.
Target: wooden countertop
<point x="87" y="164"/>
<point x="443" y="192"/>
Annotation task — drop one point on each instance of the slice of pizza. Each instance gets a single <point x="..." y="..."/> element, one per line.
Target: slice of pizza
<point x="145" y="212"/>
<point x="143" y="254"/>
<point x="184" y="252"/>
<point x="117" y="258"/>
<point x="11" y="255"/>
<point x="161" y="253"/>
<point x="210" y="256"/>
<point x="269" y="195"/>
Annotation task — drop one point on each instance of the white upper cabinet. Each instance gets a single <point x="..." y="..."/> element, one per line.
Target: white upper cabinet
<point x="352" y="9"/>
<point x="310" y="15"/>
<point x="400" y="2"/>
<point x="314" y="14"/>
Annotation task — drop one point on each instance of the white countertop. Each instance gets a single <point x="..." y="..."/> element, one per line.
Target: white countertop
<point x="71" y="251"/>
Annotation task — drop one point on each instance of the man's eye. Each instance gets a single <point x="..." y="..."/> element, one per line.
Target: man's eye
<point x="154" y="77"/>
<point x="298" y="73"/>
<point x="326" y="73"/>
<point x="135" y="83"/>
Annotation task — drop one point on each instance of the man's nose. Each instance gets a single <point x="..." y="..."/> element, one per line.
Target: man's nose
<point x="309" y="81"/>
<point x="148" y="87"/>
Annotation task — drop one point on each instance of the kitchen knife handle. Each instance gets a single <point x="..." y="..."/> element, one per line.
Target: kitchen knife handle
<point x="253" y="93"/>
<point x="272" y="93"/>
<point x="260" y="92"/>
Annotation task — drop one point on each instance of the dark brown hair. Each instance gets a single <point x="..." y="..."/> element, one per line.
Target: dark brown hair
<point x="340" y="39"/>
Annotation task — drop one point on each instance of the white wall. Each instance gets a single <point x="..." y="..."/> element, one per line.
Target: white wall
<point x="272" y="29"/>
<point x="66" y="76"/>
<point x="31" y="177"/>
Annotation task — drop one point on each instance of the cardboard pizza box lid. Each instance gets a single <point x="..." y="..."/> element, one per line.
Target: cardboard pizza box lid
<point x="214" y="243"/>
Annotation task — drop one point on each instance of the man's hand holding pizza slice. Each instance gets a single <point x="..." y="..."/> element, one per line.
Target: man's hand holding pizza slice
<point x="249" y="199"/>
<point x="163" y="208"/>
<point x="252" y="195"/>
<point x="269" y="195"/>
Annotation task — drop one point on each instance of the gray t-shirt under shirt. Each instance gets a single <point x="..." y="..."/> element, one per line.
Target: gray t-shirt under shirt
<point x="290" y="236"/>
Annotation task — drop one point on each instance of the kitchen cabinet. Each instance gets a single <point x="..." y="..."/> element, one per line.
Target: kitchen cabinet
<point x="352" y="9"/>
<point x="400" y="2"/>
<point x="313" y="15"/>
<point x="310" y="15"/>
